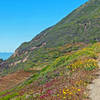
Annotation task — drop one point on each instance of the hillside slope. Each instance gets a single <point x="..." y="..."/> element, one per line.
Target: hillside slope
<point x="82" y="25"/>
<point x="65" y="78"/>
<point x="61" y="61"/>
<point x="79" y="26"/>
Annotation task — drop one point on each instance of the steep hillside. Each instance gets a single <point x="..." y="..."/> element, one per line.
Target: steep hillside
<point x="82" y="25"/>
<point x="79" y="26"/>
<point x="58" y="63"/>
<point x="66" y="78"/>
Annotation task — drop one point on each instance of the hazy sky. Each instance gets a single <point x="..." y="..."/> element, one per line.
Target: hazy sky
<point x="21" y="20"/>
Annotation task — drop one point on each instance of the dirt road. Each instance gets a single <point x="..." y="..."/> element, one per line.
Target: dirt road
<point x="94" y="88"/>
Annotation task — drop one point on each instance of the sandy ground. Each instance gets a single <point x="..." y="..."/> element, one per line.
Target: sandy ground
<point x="94" y="88"/>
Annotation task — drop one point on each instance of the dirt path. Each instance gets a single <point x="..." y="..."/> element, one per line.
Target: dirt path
<point x="94" y="88"/>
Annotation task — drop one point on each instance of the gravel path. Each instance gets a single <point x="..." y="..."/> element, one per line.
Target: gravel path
<point x="95" y="87"/>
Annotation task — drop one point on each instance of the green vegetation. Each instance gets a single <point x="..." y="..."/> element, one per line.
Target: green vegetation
<point x="41" y="57"/>
<point x="82" y="25"/>
<point x="63" y="59"/>
<point x="65" y="67"/>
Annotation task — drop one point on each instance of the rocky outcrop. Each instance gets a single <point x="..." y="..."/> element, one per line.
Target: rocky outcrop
<point x="16" y="53"/>
<point x="25" y="59"/>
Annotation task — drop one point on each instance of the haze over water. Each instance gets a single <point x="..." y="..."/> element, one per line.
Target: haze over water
<point x="5" y="56"/>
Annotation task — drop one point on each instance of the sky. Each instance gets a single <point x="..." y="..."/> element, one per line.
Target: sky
<point x="21" y="20"/>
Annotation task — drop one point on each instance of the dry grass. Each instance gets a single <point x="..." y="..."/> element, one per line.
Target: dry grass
<point x="13" y="79"/>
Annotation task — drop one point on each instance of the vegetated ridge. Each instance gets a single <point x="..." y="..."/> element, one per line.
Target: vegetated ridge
<point x="61" y="60"/>
<point x="82" y="25"/>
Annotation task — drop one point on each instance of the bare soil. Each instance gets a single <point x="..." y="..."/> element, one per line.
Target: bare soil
<point x="13" y="79"/>
<point x="94" y="88"/>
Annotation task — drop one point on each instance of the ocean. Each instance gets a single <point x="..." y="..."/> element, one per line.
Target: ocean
<point x="5" y="56"/>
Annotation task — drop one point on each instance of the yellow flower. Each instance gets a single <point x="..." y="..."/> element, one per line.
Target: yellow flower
<point x="79" y="90"/>
<point x="70" y="93"/>
<point x="57" y="94"/>
<point x="64" y="97"/>
<point x="64" y="92"/>
<point x="67" y="90"/>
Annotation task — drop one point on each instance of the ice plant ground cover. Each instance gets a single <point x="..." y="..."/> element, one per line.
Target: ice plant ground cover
<point x="66" y="78"/>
